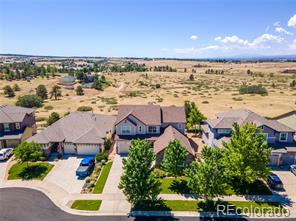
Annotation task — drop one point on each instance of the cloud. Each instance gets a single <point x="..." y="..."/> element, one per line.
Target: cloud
<point x="260" y="42"/>
<point x="210" y="47"/>
<point x="231" y="40"/>
<point x="282" y="31"/>
<point x="194" y="37"/>
<point x="184" y="50"/>
<point x="164" y="49"/>
<point x="292" y="21"/>
<point x="277" y="23"/>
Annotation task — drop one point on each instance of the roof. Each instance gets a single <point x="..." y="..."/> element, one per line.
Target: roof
<point x="77" y="127"/>
<point x="243" y="116"/>
<point x="169" y="134"/>
<point x="289" y="119"/>
<point x="173" y="114"/>
<point x="67" y="79"/>
<point x="148" y="114"/>
<point x="12" y="114"/>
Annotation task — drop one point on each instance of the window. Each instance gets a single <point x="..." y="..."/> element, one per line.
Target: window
<point x="17" y="126"/>
<point x="125" y="129"/>
<point x="152" y="129"/>
<point x="6" y="127"/>
<point x="180" y="126"/>
<point x="224" y="131"/>
<point x="283" y="137"/>
<point x="140" y="128"/>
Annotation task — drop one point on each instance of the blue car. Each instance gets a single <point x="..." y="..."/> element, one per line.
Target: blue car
<point x="86" y="166"/>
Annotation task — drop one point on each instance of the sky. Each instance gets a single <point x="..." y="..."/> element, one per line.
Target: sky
<point x="148" y="28"/>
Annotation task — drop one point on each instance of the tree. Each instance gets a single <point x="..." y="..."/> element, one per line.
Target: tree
<point x="247" y="154"/>
<point x="54" y="116"/>
<point x="29" y="101"/>
<point x="79" y="90"/>
<point x="207" y="177"/>
<point x="16" y="87"/>
<point x="138" y="181"/>
<point x="191" y="77"/>
<point x="98" y="85"/>
<point x="8" y="91"/>
<point x="28" y="152"/>
<point x="55" y="92"/>
<point x="194" y="120"/>
<point x="41" y="91"/>
<point x="175" y="156"/>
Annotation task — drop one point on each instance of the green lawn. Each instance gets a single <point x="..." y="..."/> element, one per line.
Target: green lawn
<point x="179" y="186"/>
<point x="30" y="170"/>
<point x="199" y="206"/>
<point x="256" y="188"/>
<point x="173" y="186"/>
<point x="91" y="205"/>
<point x="103" y="178"/>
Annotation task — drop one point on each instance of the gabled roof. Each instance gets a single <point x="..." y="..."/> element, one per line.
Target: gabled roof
<point x="77" y="127"/>
<point x="243" y="116"/>
<point x="170" y="134"/>
<point x="148" y="114"/>
<point x="12" y="114"/>
<point x="173" y="114"/>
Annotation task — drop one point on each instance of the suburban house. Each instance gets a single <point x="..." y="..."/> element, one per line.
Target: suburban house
<point x="16" y="125"/>
<point x="81" y="133"/>
<point x="157" y="124"/>
<point x="278" y="135"/>
<point x="288" y="119"/>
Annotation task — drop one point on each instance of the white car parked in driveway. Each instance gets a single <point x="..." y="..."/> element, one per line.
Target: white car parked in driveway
<point x="5" y="153"/>
<point x="293" y="169"/>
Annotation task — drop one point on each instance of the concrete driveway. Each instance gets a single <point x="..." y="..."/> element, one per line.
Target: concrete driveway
<point x="289" y="181"/>
<point x="63" y="174"/>
<point x="3" y="165"/>
<point x="116" y="201"/>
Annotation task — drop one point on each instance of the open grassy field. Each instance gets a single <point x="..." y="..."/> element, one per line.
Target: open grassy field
<point x="211" y="92"/>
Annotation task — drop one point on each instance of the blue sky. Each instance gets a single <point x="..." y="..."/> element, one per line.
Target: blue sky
<point x="148" y="28"/>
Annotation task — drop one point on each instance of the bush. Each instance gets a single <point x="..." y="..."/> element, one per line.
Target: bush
<point x="101" y="156"/>
<point x="53" y="118"/>
<point x="253" y="89"/>
<point x="48" y="107"/>
<point x="29" y="101"/>
<point x="108" y="144"/>
<point x="84" y="108"/>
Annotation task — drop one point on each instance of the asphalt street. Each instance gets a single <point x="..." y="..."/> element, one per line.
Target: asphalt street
<point x="20" y="204"/>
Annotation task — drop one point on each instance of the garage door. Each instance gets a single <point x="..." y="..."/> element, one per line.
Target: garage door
<point x="274" y="160"/>
<point x="86" y="149"/>
<point x="123" y="146"/>
<point x="69" y="148"/>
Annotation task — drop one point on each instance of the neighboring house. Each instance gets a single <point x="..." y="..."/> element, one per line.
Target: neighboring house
<point x="288" y="119"/>
<point x="81" y="133"/>
<point x="67" y="80"/>
<point x="278" y="136"/>
<point x="16" y="125"/>
<point x="157" y="124"/>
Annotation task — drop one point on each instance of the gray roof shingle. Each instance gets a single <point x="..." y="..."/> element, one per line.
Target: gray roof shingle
<point x="12" y="114"/>
<point x="77" y="127"/>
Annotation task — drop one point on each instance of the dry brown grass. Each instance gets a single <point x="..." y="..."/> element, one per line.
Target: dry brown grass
<point x="212" y="93"/>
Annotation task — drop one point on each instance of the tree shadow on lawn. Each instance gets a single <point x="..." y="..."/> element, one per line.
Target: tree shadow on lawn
<point x="157" y="205"/>
<point x="180" y="186"/>
<point x="256" y="188"/>
<point x="33" y="171"/>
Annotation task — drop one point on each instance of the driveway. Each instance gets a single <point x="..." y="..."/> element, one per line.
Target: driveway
<point x="289" y="181"/>
<point x="3" y="165"/>
<point x="117" y="201"/>
<point x="63" y="174"/>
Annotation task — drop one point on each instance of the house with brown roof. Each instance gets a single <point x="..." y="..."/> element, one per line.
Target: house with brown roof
<point x="81" y="133"/>
<point x="278" y="135"/>
<point x="289" y="119"/>
<point x="16" y="125"/>
<point x="157" y="124"/>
